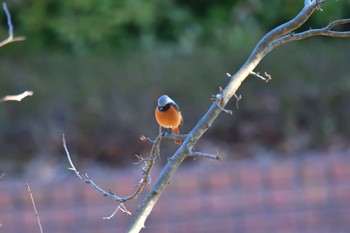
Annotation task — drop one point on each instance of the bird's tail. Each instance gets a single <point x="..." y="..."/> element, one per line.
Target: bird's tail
<point x="176" y="131"/>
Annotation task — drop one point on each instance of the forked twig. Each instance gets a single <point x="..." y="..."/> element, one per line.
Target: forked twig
<point x="147" y="168"/>
<point x="257" y="74"/>
<point x="10" y="37"/>
<point x="119" y="207"/>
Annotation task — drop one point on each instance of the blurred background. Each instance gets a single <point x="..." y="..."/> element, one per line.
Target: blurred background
<point x="97" y="69"/>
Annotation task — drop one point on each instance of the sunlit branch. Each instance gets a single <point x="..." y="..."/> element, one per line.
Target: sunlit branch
<point x="18" y="97"/>
<point x="10" y="37"/>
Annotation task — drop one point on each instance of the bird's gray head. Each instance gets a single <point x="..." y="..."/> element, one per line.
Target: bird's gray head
<point x="164" y="100"/>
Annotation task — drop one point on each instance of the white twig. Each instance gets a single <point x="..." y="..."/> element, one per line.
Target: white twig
<point x="2" y="176"/>
<point x="257" y="74"/>
<point x="35" y="210"/>
<point x="18" y="97"/>
<point x="119" y="207"/>
<point x="10" y="37"/>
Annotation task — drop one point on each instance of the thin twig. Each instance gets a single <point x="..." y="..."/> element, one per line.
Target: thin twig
<point x="257" y="74"/>
<point x="10" y="37"/>
<point x="325" y="31"/>
<point x="238" y="98"/>
<point x="218" y="99"/>
<point x="34" y="206"/>
<point x="18" y="97"/>
<point x="119" y="207"/>
<point x="147" y="168"/>
<point x="205" y="155"/>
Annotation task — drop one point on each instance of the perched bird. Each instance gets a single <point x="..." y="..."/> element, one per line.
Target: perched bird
<point x="168" y="115"/>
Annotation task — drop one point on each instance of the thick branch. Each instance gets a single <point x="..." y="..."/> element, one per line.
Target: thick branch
<point x="10" y="37"/>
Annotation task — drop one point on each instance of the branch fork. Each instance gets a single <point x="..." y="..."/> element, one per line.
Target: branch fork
<point x="10" y="37"/>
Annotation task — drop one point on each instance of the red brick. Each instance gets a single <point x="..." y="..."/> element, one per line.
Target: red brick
<point x="281" y="175"/>
<point x="180" y="207"/>
<point x="247" y="201"/>
<point x="63" y="195"/>
<point x="282" y="199"/>
<point x="341" y="170"/>
<point x="313" y="173"/>
<point x="219" y="181"/>
<point x="186" y="184"/>
<point x="256" y="223"/>
<point x="6" y="202"/>
<point x="314" y="196"/>
<point x="341" y="195"/>
<point x="284" y="222"/>
<point x="251" y="178"/>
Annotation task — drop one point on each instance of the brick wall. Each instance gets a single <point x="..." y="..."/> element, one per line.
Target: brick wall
<point x="310" y="194"/>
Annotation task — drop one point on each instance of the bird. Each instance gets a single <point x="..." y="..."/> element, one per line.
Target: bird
<point x="168" y="115"/>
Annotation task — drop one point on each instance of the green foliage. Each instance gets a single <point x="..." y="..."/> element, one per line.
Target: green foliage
<point x="90" y="25"/>
<point x="104" y="100"/>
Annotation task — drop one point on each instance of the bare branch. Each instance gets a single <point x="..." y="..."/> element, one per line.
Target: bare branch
<point x="220" y="100"/>
<point x="147" y="168"/>
<point x="10" y="37"/>
<point x="34" y="206"/>
<point x="18" y="97"/>
<point x="119" y="207"/>
<point x="325" y="31"/>
<point x="2" y="176"/>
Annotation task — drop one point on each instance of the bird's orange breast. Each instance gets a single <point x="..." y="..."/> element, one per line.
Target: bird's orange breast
<point x="170" y="118"/>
